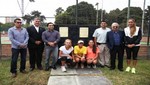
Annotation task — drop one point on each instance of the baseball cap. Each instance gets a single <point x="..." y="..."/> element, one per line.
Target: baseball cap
<point x="80" y="41"/>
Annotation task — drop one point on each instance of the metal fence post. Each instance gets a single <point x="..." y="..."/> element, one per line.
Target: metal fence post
<point x="0" y="43"/>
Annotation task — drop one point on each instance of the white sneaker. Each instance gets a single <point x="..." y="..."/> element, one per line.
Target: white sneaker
<point x="82" y="66"/>
<point x="133" y="70"/>
<point x="63" y="68"/>
<point x="88" y="66"/>
<point x="76" y="66"/>
<point x="128" y="69"/>
<point x="94" y="66"/>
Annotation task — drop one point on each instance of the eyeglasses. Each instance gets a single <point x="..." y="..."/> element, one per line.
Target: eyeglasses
<point x="18" y="22"/>
<point x="115" y="26"/>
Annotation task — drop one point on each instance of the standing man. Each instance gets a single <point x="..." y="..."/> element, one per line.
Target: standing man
<point x="19" y="40"/>
<point x="35" y="44"/>
<point x="100" y="41"/>
<point x="115" y="42"/>
<point x="51" y="38"/>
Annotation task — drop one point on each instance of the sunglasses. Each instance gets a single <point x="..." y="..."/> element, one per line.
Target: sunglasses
<point x="18" y="22"/>
<point x="115" y="26"/>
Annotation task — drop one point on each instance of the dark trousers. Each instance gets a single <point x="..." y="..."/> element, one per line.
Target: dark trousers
<point x="15" y="54"/>
<point x="35" y="57"/>
<point x="132" y="52"/>
<point x="117" y="51"/>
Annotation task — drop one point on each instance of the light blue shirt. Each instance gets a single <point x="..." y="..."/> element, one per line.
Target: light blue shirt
<point x="17" y="37"/>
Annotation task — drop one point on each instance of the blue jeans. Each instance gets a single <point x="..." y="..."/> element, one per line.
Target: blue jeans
<point x="15" y="54"/>
<point x="53" y="52"/>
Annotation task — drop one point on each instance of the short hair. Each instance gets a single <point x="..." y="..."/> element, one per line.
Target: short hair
<point x="49" y="23"/>
<point x="17" y="19"/>
<point x="114" y="23"/>
<point x="37" y="18"/>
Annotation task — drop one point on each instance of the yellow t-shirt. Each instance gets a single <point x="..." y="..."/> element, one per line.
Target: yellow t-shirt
<point x="80" y="51"/>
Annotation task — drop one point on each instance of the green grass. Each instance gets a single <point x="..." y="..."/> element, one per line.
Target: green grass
<point x="142" y="77"/>
<point x="37" y="77"/>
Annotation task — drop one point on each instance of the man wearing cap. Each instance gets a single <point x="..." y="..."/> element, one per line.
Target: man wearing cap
<point x="100" y="41"/>
<point x="80" y="52"/>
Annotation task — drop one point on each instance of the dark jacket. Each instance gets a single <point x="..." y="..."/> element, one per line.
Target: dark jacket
<point x="133" y="40"/>
<point x="35" y="36"/>
<point x="110" y="39"/>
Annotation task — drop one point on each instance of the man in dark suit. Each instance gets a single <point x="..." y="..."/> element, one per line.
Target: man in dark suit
<point x="35" y="44"/>
<point x="115" y="42"/>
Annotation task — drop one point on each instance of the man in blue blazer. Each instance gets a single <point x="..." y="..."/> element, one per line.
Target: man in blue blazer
<point x="115" y="42"/>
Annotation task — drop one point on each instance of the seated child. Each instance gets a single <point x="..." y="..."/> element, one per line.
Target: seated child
<point x="65" y="54"/>
<point x="79" y="53"/>
<point x="92" y="54"/>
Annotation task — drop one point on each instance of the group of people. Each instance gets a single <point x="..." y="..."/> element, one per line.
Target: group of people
<point x="101" y="51"/>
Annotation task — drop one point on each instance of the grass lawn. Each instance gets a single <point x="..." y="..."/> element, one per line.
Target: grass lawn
<point x="37" y="77"/>
<point x="142" y="77"/>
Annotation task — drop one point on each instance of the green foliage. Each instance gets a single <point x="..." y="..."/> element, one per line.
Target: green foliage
<point x="86" y="14"/>
<point x="5" y="27"/>
<point x="29" y="17"/>
<point x="59" y="10"/>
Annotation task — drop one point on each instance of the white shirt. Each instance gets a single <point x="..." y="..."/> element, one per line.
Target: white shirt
<point x="65" y="51"/>
<point x="100" y="34"/>
<point x="37" y="28"/>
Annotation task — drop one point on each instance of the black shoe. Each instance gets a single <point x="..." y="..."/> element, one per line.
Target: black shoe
<point x="121" y="69"/>
<point x="102" y="66"/>
<point x="31" y="69"/>
<point x="107" y="66"/>
<point x="47" y="69"/>
<point x="40" y="68"/>
<point x="112" y="68"/>
<point x="23" y="71"/>
<point x="54" y="67"/>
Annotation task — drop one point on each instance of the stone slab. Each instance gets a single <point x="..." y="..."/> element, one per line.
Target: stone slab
<point x="78" y="80"/>
<point x="58" y="72"/>
<point x="71" y="72"/>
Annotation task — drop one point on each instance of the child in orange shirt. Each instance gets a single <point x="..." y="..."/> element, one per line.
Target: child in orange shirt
<point x="92" y="54"/>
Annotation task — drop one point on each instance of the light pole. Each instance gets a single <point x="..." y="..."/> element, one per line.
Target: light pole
<point x="97" y="14"/>
<point x="102" y="12"/>
<point x="76" y="12"/>
<point x="128" y="14"/>
<point x="143" y="17"/>
<point x="21" y="6"/>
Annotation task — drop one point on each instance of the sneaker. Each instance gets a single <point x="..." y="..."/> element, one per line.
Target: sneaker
<point x="76" y="66"/>
<point x="133" y="70"/>
<point x="94" y="66"/>
<point x="66" y="65"/>
<point x="128" y="69"/>
<point x="63" y="68"/>
<point x="82" y="65"/>
<point x="88" y="66"/>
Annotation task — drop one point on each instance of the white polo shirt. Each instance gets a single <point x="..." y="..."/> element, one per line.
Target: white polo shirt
<point x="100" y="34"/>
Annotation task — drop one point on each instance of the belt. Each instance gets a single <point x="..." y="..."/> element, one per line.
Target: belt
<point x="100" y="43"/>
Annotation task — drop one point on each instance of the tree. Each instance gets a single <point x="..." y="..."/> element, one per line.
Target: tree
<point x="38" y="14"/>
<point x="147" y="13"/>
<point x="59" y="11"/>
<point x="29" y="17"/>
<point x="86" y="14"/>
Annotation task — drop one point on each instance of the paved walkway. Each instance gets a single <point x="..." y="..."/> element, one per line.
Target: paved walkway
<point x="77" y="77"/>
